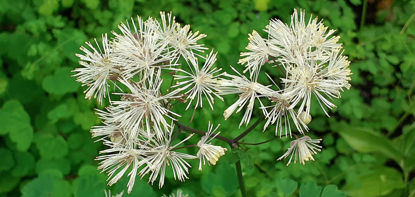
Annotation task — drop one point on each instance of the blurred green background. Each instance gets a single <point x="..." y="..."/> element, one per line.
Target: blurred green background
<point x="369" y="141"/>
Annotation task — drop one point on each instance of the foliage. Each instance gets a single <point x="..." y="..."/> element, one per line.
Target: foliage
<point x="369" y="142"/>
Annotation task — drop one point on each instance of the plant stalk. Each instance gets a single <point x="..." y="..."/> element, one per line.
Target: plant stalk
<point x="240" y="178"/>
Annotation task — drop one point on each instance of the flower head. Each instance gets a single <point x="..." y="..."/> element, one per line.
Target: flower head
<point x="142" y="108"/>
<point x="181" y="39"/>
<point x="140" y="50"/>
<point x="302" y="149"/>
<point x="97" y="69"/>
<point x="159" y="153"/>
<point x="207" y="151"/>
<point x="248" y="90"/>
<point x="203" y="82"/>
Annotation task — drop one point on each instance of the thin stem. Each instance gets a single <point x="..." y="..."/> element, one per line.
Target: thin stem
<point x="235" y="140"/>
<point x="259" y="143"/>
<point x="362" y="20"/>
<point x="202" y="133"/>
<point x="240" y="178"/>
<point x="407" y="23"/>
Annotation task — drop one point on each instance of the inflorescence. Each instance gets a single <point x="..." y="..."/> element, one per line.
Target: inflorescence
<point x="138" y="126"/>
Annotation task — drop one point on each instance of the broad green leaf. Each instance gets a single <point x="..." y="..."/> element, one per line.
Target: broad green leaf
<point x="62" y="166"/>
<point x="61" y="82"/>
<point x="51" y="147"/>
<point x="224" y="177"/>
<point x="368" y="141"/>
<point x="332" y="191"/>
<point x="15" y="121"/>
<point x="59" y="112"/>
<point x="7" y="160"/>
<point x="378" y="182"/>
<point x="286" y="186"/>
<point x="90" y="186"/>
<point x="25" y="163"/>
<point x="310" y="189"/>
<point x="46" y="186"/>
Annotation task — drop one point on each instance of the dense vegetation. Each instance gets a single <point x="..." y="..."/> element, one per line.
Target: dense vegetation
<point x="369" y="141"/>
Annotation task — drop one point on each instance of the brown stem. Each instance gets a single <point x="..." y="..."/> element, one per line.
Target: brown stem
<point x="259" y="143"/>
<point x="202" y="133"/>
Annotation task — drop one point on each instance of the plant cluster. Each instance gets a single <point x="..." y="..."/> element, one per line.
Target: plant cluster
<point x="139" y="127"/>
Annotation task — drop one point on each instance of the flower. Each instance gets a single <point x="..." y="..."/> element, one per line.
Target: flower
<point x="308" y="40"/>
<point x="302" y="149"/>
<point x="280" y="114"/>
<point x="142" y="108"/>
<point x="257" y="55"/>
<point x="321" y="78"/>
<point x="201" y="81"/>
<point x="117" y="160"/>
<point x="181" y="39"/>
<point x="159" y="153"/>
<point x="140" y="50"/>
<point x="208" y="151"/>
<point x="97" y="69"/>
<point x="248" y="90"/>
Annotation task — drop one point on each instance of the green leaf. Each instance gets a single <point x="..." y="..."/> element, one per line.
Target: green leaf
<point x="332" y="191"/>
<point x="310" y="189"/>
<point x="261" y="5"/>
<point x="46" y="186"/>
<point x="60" y="82"/>
<point x="15" y="121"/>
<point x="286" y="186"/>
<point x="378" y="182"/>
<point x="90" y="186"/>
<point x="224" y="178"/>
<point x="44" y="166"/>
<point x="48" y="7"/>
<point x="51" y="147"/>
<point x="59" y="112"/>
<point x="25" y="163"/>
<point x="7" y="160"/>
<point x="367" y="141"/>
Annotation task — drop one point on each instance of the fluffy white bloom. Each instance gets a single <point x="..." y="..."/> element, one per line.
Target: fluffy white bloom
<point x="248" y="91"/>
<point x="257" y="55"/>
<point x="302" y="149"/>
<point x="117" y="160"/>
<point x="179" y="193"/>
<point x="308" y="40"/>
<point x="181" y="39"/>
<point x="159" y="153"/>
<point x="142" y="108"/>
<point x="281" y="114"/>
<point x="207" y="151"/>
<point x="97" y="69"/>
<point x="140" y="50"/>
<point x="203" y="82"/>
<point x="321" y="78"/>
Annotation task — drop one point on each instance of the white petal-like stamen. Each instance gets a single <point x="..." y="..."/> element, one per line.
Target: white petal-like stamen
<point x="302" y="149"/>
<point x="203" y="82"/>
<point x="207" y="151"/>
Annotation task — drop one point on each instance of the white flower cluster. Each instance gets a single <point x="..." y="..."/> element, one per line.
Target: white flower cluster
<point x="138" y="124"/>
<point x="309" y="62"/>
